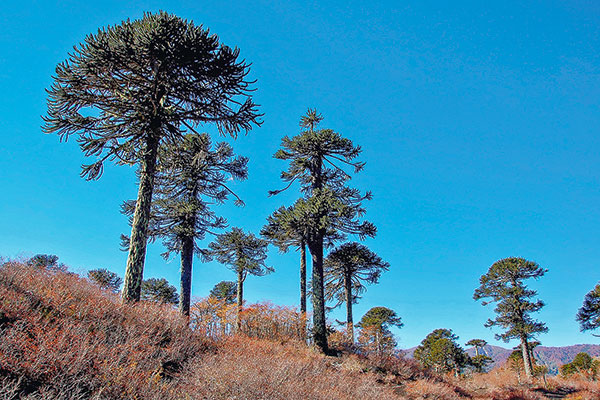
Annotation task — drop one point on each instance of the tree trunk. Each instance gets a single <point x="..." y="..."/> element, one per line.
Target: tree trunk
<point x="303" y="287"/>
<point x="526" y="357"/>
<point x="134" y="271"/>
<point x="318" y="295"/>
<point x="187" y="257"/>
<point x="240" y="298"/>
<point x="315" y="246"/>
<point x="349" y="321"/>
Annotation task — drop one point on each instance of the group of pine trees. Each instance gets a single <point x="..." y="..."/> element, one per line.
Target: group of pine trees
<point x="137" y="93"/>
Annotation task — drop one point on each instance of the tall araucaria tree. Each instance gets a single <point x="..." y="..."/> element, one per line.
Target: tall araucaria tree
<point x="345" y="270"/>
<point x="284" y="229"/>
<point x="131" y="87"/>
<point x="503" y="284"/>
<point x="588" y="315"/>
<point x="317" y="158"/>
<point x="289" y="227"/>
<point x="191" y="176"/>
<point x="244" y="254"/>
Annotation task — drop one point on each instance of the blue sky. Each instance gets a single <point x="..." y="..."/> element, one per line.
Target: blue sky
<point x="478" y="122"/>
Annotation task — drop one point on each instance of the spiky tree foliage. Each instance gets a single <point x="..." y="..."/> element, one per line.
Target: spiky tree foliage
<point x="191" y="176"/>
<point x="588" y="315"/>
<point x="224" y="290"/>
<point x="346" y="269"/>
<point x="285" y="228"/>
<point x="479" y="361"/>
<point x="130" y="87"/>
<point x="440" y="351"/>
<point x="503" y="285"/>
<point x="244" y="254"/>
<point x="48" y="261"/>
<point x="290" y="227"/>
<point x="316" y="160"/>
<point x="477" y="344"/>
<point x="105" y="279"/>
<point x="159" y="290"/>
<point x="583" y="364"/>
<point x="518" y="365"/>
<point x="375" y="331"/>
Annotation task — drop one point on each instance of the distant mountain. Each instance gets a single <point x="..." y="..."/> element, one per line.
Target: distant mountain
<point x="552" y="357"/>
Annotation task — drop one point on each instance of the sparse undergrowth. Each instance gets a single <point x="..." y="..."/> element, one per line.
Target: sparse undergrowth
<point x="62" y="337"/>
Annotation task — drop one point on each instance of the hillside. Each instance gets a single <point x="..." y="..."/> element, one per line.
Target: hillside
<point x="62" y="337"/>
<point x="552" y="357"/>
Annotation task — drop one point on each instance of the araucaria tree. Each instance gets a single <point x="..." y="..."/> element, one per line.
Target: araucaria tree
<point x="105" y="279"/>
<point x="375" y="334"/>
<point x="480" y="361"/>
<point x="224" y="290"/>
<point x="286" y="228"/>
<point x="244" y="254"/>
<point x="191" y="176"/>
<point x="440" y="351"/>
<point x="589" y="314"/>
<point x="317" y="158"/>
<point x="290" y="227"/>
<point x="159" y="290"/>
<point x="503" y="284"/>
<point x="345" y="270"/>
<point x="131" y="87"/>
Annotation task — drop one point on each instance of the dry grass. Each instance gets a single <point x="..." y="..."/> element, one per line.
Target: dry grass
<point x="64" y="338"/>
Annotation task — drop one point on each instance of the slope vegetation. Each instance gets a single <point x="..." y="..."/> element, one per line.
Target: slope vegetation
<point x="62" y="337"/>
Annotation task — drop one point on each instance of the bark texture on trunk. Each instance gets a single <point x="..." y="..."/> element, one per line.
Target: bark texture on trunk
<point x="315" y="246"/>
<point x="303" y="277"/>
<point x="303" y="288"/>
<point x="318" y="297"/>
<point x="349" y="320"/>
<point x="240" y="298"/>
<point x="187" y="257"/>
<point x="526" y="357"/>
<point x="134" y="271"/>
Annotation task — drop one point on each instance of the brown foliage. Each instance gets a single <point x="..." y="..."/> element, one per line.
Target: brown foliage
<point x="61" y="334"/>
<point x="64" y="338"/>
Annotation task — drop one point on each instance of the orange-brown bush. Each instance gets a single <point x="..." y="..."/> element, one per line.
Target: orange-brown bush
<point x="217" y="319"/>
<point x="62" y="337"/>
<point x="60" y="333"/>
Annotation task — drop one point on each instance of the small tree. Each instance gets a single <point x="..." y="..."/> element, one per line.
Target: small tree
<point x="479" y="361"/>
<point x="225" y="290"/>
<point x="130" y="87"/>
<point x="589" y="314"/>
<point x="375" y="334"/>
<point x="159" y="290"/>
<point x="345" y="270"/>
<point x="582" y="364"/>
<point x="242" y="253"/>
<point x="503" y="284"/>
<point x="440" y="351"/>
<point x="48" y="261"/>
<point x="105" y="279"/>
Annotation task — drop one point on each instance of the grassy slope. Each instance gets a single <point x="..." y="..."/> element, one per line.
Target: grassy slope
<point x="63" y="338"/>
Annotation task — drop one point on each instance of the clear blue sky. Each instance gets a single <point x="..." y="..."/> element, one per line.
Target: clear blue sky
<point x="479" y="124"/>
